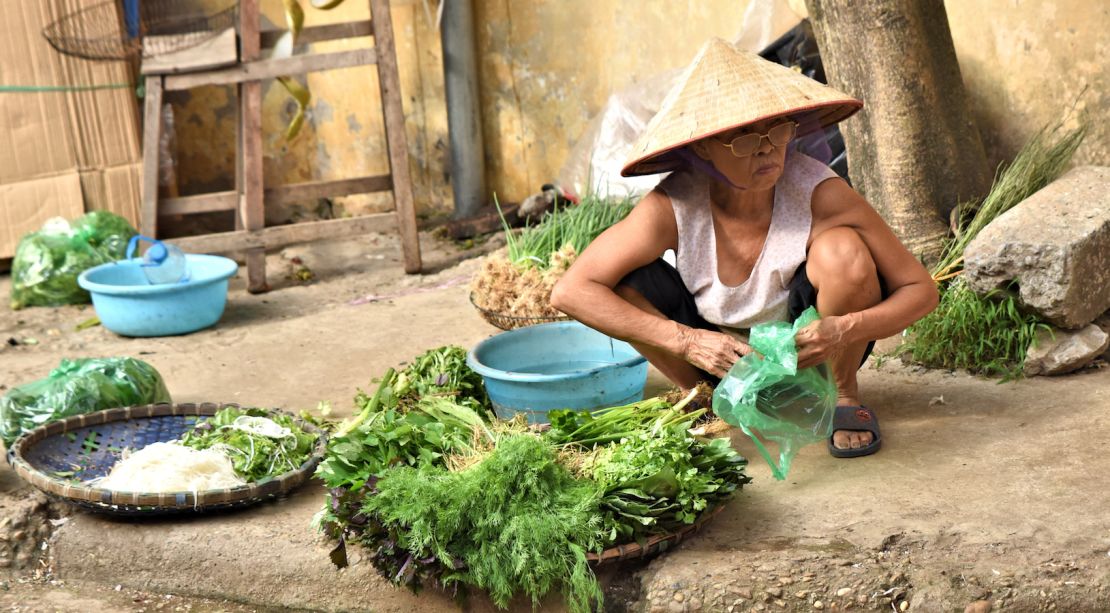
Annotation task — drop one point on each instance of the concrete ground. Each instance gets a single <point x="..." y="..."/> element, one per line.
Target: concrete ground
<point x="983" y="492"/>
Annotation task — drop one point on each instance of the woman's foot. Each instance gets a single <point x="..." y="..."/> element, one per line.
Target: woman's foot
<point x="852" y="439"/>
<point x="855" y="431"/>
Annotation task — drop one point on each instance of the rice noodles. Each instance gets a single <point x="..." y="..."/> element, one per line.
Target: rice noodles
<point x="170" y="467"/>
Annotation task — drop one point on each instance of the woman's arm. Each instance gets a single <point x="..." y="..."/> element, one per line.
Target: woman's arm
<point x="586" y="290"/>
<point x="912" y="292"/>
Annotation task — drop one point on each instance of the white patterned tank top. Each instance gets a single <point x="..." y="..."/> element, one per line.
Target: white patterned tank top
<point x="763" y="296"/>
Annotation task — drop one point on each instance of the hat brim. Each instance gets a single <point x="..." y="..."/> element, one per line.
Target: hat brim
<point x="810" y="119"/>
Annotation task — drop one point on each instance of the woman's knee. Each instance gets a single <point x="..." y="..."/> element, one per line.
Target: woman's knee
<point x="840" y="255"/>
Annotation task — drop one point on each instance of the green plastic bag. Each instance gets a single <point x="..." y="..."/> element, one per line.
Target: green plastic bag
<point x="47" y="262"/>
<point x="76" y="387"/>
<point x="769" y="398"/>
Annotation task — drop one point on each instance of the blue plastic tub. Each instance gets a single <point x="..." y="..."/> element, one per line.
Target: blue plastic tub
<point x="561" y="365"/>
<point x="129" y="305"/>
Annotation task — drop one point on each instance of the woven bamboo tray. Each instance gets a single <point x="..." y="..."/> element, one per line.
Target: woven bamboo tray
<point x="512" y="322"/>
<point x="57" y="457"/>
<point x="654" y="545"/>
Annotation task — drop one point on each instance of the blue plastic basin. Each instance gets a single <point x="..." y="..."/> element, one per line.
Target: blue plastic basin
<point x="561" y="365"/>
<point x="129" y="305"/>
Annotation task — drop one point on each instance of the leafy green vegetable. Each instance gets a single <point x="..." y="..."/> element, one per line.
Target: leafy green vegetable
<point x="436" y="495"/>
<point x="385" y="435"/>
<point x="515" y="522"/>
<point x="258" y="450"/>
<point x="655" y="476"/>
<point x="612" y="424"/>
<point x="443" y="372"/>
<point x="76" y="387"/>
<point x="47" y="262"/>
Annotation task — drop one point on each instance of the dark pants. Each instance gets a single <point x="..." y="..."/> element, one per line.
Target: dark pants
<point x="661" y="285"/>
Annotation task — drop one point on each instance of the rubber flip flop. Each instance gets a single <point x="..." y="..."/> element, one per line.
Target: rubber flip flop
<point x="858" y="418"/>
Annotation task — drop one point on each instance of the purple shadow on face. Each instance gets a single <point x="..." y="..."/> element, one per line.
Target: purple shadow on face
<point x="703" y="166"/>
<point x="813" y="142"/>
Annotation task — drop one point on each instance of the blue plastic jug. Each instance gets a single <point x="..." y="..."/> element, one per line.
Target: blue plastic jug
<point x="162" y="263"/>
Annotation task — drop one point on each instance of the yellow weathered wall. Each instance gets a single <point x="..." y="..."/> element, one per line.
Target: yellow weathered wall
<point x="343" y="135"/>
<point x="1024" y="64"/>
<point x="546" y="67"/>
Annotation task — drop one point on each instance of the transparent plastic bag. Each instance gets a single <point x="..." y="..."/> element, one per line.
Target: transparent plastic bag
<point x="769" y="398"/>
<point x="77" y="387"/>
<point x="47" y="262"/>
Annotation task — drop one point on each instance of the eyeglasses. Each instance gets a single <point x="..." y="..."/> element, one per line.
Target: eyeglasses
<point x="747" y="144"/>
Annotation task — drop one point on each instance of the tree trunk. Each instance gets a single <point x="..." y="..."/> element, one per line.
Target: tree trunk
<point x="914" y="151"/>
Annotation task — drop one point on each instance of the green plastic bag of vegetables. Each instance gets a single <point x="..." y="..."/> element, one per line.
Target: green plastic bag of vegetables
<point x="76" y="387"/>
<point x="769" y="398"/>
<point x="47" y="262"/>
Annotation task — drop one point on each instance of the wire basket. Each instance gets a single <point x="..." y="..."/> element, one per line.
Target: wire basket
<point x="104" y="32"/>
<point x="512" y="322"/>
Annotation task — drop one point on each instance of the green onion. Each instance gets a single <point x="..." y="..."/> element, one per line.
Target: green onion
<point x="576" y="226"/>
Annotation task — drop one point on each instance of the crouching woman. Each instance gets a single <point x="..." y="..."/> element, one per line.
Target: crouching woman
<point x="760" y="232"/>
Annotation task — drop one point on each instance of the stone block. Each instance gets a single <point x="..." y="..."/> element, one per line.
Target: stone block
<point x="1062" y="351"/>
<point x="1055" y="245"/>
<point x="1103" y="322"/>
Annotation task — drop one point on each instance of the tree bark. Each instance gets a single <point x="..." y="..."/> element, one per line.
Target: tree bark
<point x="913" y="151"/>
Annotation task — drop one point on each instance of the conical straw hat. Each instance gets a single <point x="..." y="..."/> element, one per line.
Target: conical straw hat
<point x="725" y="88"/>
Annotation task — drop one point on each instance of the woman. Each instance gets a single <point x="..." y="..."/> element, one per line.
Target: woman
<point x="759" y="232"/>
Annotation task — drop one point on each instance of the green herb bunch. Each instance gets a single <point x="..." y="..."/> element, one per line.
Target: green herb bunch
<point x="393" y="429"/>
<point x="436" y="495"/>
<point x="515" y="522"/>
<point x="576" y="226"/>
<point x="655" y="476"/>
<point x="254" y="456"/>
<point x="443" y="372"/>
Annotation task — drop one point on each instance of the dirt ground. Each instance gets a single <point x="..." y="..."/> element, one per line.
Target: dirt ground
<point x="982" y="492"/>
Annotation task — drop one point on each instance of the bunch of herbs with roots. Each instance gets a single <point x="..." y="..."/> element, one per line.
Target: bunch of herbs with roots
<point x="518" y="281"/>
<point x="988" y="334"/>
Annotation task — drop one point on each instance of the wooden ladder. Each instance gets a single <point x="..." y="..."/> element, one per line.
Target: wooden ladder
<point x="251" y="236"/>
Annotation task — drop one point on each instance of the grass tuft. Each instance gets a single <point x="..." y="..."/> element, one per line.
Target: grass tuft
<point x="1038" y="163"/>
<point x="988" y="334"/>
<point x="981" y="334"/>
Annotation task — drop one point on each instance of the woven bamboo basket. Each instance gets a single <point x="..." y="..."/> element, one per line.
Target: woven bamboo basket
<point x="654" y="545"/>
<point x="512" y="322"/>
<point x="59" y="456"/>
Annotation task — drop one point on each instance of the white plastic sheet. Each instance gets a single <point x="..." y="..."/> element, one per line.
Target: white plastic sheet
<point x="595" y="161"/>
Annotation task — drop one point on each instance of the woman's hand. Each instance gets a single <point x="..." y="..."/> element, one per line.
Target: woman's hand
<point x="821" y="340"/>
<point x="713" y="352"/>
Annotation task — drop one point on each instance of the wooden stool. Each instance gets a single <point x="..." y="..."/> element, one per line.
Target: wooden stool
<point x="216" y="62"/>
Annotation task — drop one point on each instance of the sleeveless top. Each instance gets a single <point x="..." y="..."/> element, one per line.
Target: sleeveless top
<point x="763" y="296"/>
